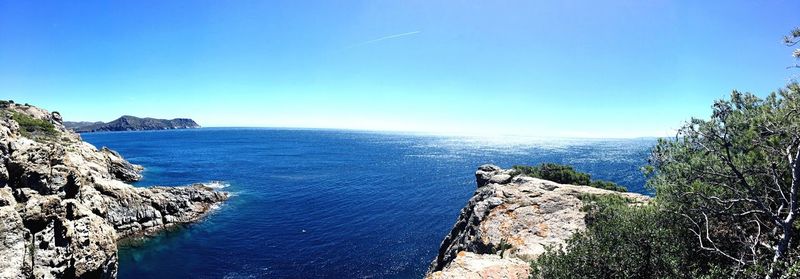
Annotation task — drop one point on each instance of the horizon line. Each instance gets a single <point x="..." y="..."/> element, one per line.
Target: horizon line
<point x="429" y="133"/>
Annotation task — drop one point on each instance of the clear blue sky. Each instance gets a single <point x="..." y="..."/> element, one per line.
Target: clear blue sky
<point x="541" y="68"/>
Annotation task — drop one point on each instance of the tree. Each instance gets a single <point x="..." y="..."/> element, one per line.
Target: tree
<point x="565" y="174"/>
<point x="791" y="40"/>
<point x="623" y="241"/>
<point x="736" y="179"/>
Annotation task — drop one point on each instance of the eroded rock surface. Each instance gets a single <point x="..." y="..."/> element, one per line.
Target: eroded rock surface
<point x="513" y="216"/>
<point x="64" y="204"/>
<point x="468" y="265"/>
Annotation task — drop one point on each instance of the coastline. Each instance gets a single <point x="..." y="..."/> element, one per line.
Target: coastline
<point x="69" y="203"/>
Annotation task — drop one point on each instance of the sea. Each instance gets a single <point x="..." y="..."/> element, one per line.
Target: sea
<point x="316" y="203"/>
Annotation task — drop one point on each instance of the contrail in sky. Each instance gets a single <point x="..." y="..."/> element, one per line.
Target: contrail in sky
<point x="385" y="38"/>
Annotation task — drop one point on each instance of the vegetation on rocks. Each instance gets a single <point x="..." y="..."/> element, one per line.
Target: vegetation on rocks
<point x="622" y="241"/>
<point x="735" y="178"/>
<point x="565" y="175"/>
<point x="727" y="202"/>
<point x="33" y="127"/>
<point x="509" y="221"/>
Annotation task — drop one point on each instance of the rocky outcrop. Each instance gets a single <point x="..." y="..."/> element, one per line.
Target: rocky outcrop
<point x="64" y="204"/>
<point x="468" y="265"/>
<point x="120" y="168"/>
<point x="509" y="220"/>
<point x="132" y="123"/>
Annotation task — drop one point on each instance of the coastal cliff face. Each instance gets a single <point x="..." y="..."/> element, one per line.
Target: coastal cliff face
<point x="509" y="221"/>
<point x="64" y="204"/>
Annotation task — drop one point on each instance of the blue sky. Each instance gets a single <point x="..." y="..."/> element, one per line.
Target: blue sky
<point x="539" y="68"/>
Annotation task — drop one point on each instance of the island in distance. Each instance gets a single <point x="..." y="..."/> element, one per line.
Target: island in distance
<point x="132" y="123"/>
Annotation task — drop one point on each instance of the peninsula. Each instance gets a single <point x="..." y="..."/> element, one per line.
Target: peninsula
<point x="132" y="123"/>
<point x="64" y="204"/>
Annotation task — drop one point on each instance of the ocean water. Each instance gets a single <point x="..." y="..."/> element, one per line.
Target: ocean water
<point x="330" y="203"/>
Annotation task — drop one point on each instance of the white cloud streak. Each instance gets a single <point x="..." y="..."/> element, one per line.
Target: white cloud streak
<point x="389" y="37"/>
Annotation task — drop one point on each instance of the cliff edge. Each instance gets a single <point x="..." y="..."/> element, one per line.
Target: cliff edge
<point x="64" y="204"/>
<point x="509" y="221"/>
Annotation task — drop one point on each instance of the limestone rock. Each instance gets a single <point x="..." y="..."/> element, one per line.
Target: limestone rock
<point x="476" y="266"/>
<point x="64" y="204"/>
<point x="517" y="217"/>
<point x="120" y="168"/>
<point x="13" y="236"/>
<point x="485" y="173"/>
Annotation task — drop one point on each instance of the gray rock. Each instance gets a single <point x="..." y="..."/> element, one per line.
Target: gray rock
<point x="500" y="179"/>
<point x="485" y="173"/>
<point x="477" y="266"/>
<point x="56" y="117"/>
<point x="120" y="168"/>
<point x="526" y="213"/>
<point x="64" y="204"/>
<point x="13" y="240"/>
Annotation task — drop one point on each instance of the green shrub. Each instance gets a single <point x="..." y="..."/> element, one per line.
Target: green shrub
<point x="565" y="175"/>
<point x="726" y="202"/>
<point x="32" y="127"/>
<point x="623" y="241"/>
<point x="554" y="172"/>
<point x="502" y="247"/>
<point x="608" y="185"/>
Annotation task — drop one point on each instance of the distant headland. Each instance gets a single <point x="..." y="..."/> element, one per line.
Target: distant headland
<point x="132" y="123"/>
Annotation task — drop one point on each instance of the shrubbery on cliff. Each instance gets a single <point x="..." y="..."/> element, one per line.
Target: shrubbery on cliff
<point x="623" y="242"/>
<point x="565" y="175"/>
<point x="727" y="203"/>
<point x="736" y="178"/>
<point x="32" y="127"/>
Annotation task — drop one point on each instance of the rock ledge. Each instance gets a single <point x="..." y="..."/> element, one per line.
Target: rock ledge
<point x="509" y="221"/>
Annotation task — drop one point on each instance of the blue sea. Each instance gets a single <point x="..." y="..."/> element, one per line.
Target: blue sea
<point x="331" y="203"/>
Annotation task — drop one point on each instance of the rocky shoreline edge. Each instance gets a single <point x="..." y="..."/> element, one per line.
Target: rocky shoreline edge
<point x="509" y="221"/>
<point x="66" y="205"/>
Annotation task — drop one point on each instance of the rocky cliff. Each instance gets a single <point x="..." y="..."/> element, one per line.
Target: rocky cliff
<point x="509" y="221"/>
<point x="132" y="123"/>
<point x="65" y="204"/>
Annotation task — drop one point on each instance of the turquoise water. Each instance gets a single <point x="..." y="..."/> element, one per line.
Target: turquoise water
<point x="328" y="203"/>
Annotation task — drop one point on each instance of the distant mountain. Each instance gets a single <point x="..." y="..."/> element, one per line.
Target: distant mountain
<point x="131" y="123"/>
<point x="72" y="125"/>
